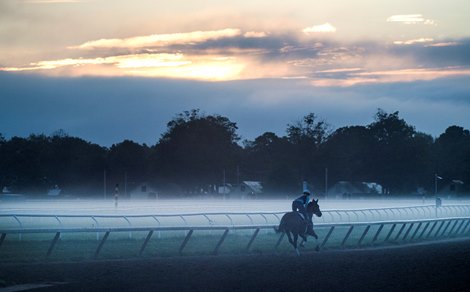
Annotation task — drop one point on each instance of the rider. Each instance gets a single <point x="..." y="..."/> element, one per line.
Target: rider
<point x="300" y="205"/>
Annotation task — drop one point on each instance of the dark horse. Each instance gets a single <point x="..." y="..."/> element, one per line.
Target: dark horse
<point x="292" y="222"/>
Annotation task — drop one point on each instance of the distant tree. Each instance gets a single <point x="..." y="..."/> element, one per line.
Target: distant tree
<point x="128" y="160"/>
<point x="306" y="136"/>
<point x="348" y="152"/>
<point x="20" y="165"/>
<point x="196" y="149"/>
<point x="268" y="159"/>
<point x="452" y="154"/>
<point x="393" y="153"/>
<point x="75" y="165"/>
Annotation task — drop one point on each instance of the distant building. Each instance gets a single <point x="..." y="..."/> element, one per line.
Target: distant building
<point x="246" y="190"/>
<point x="453" y="188"/>
<point x="347" y="189"/>
<point x="143" y="192"/>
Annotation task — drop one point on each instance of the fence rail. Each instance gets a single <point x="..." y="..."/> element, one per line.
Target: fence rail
<point x="379" y="232"/>
<point x="233" y="219"/>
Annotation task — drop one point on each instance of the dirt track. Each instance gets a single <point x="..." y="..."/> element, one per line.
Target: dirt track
<point x="436" y="267"/>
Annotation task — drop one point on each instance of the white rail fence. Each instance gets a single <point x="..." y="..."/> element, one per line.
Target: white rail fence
<point x="233" y="219"/>
<point x="334" y="235"/>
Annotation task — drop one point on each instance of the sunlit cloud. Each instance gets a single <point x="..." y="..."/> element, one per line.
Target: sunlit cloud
<point x="327" y="82"/>
<point x="126" y="61"/>
<point x="323" y="28"/>
<point x="444" y="44"/>
<point x="414" y="41"/>
<point x="340" y="70"/>
<point x="52" y="1"/>
<point x="154" y="65"/>
<point x="410" y="19"/>
<point x="255" y="34"/>
<point x="159" y="40"/>
<point x="390" y="76"/>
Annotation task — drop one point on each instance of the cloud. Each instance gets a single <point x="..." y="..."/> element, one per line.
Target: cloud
<point x="410" y="19"/>
<point x="255" y="34"/>
<point x="444" y="44"/>
<point x="323" y="28"/>
<point x="160" y="40"/>
<point x="52" y="1"/>
<point x="230" y="54"/>
<point x="81" y="106"/>
<point x="414" y="41"/>
<point x="153" y="65"/>
<point x="352" y="77"/>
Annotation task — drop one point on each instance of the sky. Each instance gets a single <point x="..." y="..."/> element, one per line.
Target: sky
<point x="109" y="70"/>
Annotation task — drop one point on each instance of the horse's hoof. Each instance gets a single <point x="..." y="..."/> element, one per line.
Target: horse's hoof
<point x="297" y="252"/>
<point x="317" y="248"/>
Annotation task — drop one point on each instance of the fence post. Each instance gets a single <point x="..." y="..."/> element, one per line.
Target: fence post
<point x="439" y="229"/>
<point x="216" y="250"/>
<point x="327" y="236"/>
<point x="460" y="227"/>
<point x="145" y="242"/>
<point x="432" y="228"/>
<point x="416" y="231"/>
<point x="130" y="225"/>
<point x="347" y="235"/>
<point x="453" y="227"/>
<point x="252" y="239"/>
<point x="377" y="233"/>
<point x="445" y="229"/>
<point x="101" y="244"/>
<point x="185" y="241"/>
<point x="363" y="235"/>
<point x="390" y="232"/>
<point x="464" y="228"/>
<point x="97" y="224"/>
<point x="54" y="241"/>
<point x="399" y="232"/>
<point x="21" y="226"/>
<point x="407" y="232"/>
<point x="424" y="230"/>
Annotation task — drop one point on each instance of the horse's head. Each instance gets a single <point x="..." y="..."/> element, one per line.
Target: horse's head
<point x="314" y="208"/>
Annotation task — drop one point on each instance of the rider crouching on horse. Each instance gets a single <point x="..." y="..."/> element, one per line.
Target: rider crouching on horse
<point x="300" y="205"/>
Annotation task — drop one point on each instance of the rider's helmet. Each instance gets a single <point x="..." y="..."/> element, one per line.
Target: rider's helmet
<point x="307" y="193"/>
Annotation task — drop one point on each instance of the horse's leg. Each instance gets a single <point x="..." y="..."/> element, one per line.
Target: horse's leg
<point x="304" y="240"/>
<point x="290" y="238"/>
<point x="296" y="236"/>
<point x="314" y="234"/>
<point x="311" y="232"/>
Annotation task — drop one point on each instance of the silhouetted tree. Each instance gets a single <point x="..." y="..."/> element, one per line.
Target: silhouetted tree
<point x="269" y="159"/>
<point x="393" y="152"/>
<point x="306" y="137"/>
<point x="452" y="154"/>
<point x="128" y="160"/>
<point x="196" y="149"/>
<point x="348" y="154"/>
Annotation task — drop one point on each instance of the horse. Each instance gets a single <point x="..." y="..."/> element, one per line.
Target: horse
<point x="293" y="222"/>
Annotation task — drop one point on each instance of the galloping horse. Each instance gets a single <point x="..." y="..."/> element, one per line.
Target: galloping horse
<point x="292" y="222"/>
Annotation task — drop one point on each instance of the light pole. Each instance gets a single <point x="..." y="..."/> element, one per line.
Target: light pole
<point x="436" y="177"/>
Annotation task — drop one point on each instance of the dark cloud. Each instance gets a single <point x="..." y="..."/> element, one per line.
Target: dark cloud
<point x="109" y="110"/>
<point x="457" y="54"/>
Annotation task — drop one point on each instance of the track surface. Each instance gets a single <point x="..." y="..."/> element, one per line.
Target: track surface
<point x="433" y="267"/>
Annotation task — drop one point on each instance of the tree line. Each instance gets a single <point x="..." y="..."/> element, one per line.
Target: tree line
<point x="198" y="152"/>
